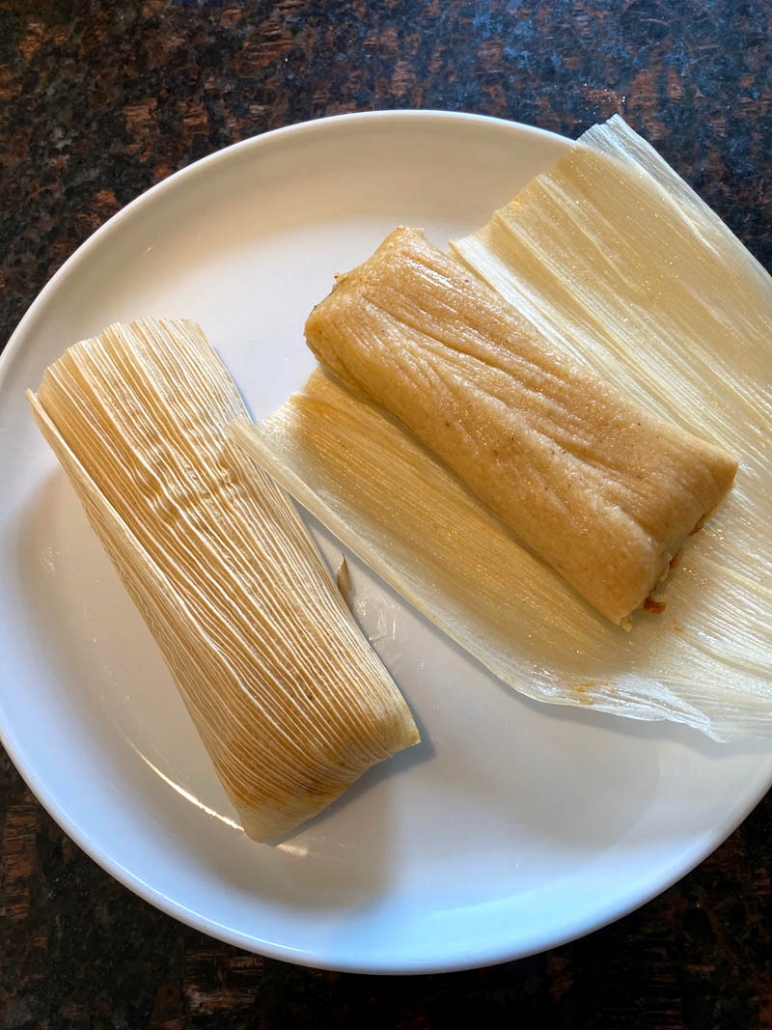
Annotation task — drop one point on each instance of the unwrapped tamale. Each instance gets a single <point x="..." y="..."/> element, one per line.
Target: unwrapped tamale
<point x="603" y="490"/>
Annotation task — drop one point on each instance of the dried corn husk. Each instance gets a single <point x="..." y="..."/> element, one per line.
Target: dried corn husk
<point x="289" y="699"/>
<point x="613" y="258"/>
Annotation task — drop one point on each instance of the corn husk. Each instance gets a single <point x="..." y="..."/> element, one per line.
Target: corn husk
<point x="616" y="259"/>
<point x="613" y="258"/>
<point x="290" y="701"/>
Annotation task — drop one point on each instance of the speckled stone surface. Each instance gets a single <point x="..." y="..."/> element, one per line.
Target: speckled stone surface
<point x="99" y="101"/>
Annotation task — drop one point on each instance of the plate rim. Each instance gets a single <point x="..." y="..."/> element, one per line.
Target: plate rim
<point x="314" y="125"/>
<point x="472" y="957"/>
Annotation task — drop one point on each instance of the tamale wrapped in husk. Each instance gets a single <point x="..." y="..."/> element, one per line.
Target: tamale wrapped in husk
<point x="290" y="700"/>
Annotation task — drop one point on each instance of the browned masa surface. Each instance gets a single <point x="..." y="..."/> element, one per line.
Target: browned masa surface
<point x="600" y="488"/>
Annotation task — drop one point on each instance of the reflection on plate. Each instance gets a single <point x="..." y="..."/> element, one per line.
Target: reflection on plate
<point x="514" y="826"/>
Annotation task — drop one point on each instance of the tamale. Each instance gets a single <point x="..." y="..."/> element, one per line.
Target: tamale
<point x="603" y="490"/>
<point x="616" y="261"/>
<point x="288" y="697"/>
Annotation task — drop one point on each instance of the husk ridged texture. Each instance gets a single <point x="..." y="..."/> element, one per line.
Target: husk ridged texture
<point x="615" y="260"/>
<point x="290" y="701"/>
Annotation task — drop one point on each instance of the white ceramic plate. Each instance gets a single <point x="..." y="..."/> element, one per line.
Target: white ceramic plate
<point x="514" y="826"/>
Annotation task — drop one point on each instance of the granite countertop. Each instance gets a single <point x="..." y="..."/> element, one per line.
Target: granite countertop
<point x="99" y="101"/>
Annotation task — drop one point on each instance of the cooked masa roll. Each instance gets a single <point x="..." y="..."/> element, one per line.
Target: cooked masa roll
<point x="601" y="489"/>
<point x="289" y="698"/>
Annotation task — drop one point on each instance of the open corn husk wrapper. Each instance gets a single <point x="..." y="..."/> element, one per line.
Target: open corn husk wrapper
<point x="616" y="261"/>
<point x="288" y="697"/>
